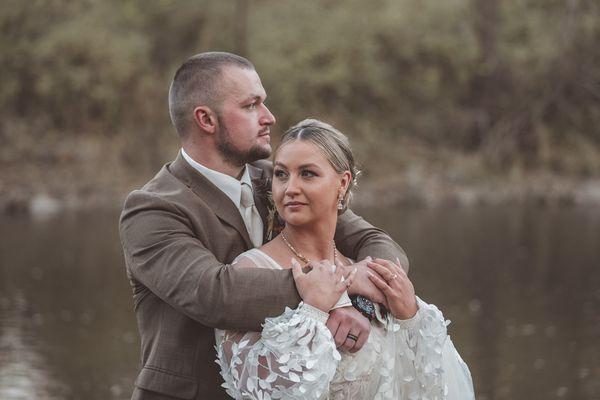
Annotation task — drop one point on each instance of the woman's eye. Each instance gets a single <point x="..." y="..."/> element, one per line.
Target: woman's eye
<point x="279" y="173"/>
<point x="308" y="174"/>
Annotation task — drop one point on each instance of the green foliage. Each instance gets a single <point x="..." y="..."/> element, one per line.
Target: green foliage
<point x="514" y="80"/>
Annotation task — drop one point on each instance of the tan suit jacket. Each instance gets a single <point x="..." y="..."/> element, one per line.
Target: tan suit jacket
<point x="178" y="233"/>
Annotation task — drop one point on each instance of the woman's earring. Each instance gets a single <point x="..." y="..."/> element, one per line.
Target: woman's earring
<point x="340" y="205"/>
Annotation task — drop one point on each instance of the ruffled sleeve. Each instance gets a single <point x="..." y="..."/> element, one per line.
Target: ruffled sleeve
<point x="294" y="357"/>
<point x="421" y="361"/>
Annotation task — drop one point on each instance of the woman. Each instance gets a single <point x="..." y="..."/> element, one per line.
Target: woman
<point x="408" y="354"/>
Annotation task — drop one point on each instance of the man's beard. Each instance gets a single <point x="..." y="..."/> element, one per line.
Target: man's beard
<point x="234" y="156"/>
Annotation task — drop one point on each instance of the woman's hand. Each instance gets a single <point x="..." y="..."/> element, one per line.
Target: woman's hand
<point x="396" y="287"/>
<point x="322" y="286"/>
<point x="362" y="285"/>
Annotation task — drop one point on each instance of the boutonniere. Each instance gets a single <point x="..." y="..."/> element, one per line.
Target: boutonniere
<point x="274" y="223"/>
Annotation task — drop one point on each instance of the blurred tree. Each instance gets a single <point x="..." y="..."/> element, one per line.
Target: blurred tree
<point x="517" y="81"/>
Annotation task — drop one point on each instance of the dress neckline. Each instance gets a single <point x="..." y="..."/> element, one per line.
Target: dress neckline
<point x="268" y="257"/>
<point x="272" y="261"/>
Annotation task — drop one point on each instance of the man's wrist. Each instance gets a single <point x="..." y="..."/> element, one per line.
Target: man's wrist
<point x="344" y="301"/>
<point x="364" y="305"/>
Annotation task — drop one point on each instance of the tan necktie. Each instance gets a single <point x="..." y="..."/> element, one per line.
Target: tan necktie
<point x="251" y="216"/>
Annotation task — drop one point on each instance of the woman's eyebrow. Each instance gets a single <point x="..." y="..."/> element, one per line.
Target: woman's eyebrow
<point x="307" y="165"/>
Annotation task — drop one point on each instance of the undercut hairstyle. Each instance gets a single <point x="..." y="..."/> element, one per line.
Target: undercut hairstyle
<point x="197" y="82"/>
<point x="333" y="144"/>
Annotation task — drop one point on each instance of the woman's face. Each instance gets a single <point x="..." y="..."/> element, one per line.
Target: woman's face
<point x="305" y="185"/>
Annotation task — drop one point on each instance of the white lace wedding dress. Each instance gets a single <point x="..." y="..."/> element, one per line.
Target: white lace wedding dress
<point x="295" y="357"/>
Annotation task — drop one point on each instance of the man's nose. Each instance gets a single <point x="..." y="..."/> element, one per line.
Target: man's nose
<point x="267" y="118"/>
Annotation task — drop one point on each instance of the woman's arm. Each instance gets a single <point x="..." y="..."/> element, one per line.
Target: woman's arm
<point x="294" y="357"/>
<point x="421" y="361"/>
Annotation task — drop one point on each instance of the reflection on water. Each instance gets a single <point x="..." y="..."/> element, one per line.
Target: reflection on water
<point x="521" y="286"/>
<point x="23" y="372"/>
<point x="66" y="325"/>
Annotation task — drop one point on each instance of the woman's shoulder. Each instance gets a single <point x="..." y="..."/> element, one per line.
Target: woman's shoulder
<point x="255" y="258"/>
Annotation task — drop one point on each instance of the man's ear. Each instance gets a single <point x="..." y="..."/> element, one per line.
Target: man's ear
<point x="205" y="119"/>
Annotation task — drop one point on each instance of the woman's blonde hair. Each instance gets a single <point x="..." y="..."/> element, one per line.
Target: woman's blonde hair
<point x="333" y="144"/>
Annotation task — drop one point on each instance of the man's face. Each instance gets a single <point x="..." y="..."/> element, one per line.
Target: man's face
<point x="244" y="120"/>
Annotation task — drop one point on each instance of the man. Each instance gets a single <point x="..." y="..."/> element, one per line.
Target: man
<point x="185" y="225"/>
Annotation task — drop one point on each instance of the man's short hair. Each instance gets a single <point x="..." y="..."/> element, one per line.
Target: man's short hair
<point x="196" y="83"/>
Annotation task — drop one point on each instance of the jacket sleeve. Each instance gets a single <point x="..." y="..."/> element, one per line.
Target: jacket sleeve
<point x="357" y="239"/>
<point x="163" y="255"/>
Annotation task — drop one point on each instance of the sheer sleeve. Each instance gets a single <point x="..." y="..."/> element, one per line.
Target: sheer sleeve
<point x="294" y="357"/>
<point x="421" y="361"/>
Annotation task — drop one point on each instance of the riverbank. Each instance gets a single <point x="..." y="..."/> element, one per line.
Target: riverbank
<point x="53" y="174"/>
<point x="541" y="189"/>
<point x="58" y="190"/>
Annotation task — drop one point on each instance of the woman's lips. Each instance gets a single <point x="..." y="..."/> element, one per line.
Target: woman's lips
<point x="294" y="205"/>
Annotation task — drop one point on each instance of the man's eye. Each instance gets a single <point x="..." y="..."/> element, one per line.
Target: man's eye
<point x="251" y="106"/>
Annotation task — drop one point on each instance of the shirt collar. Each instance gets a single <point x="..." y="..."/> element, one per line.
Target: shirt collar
<point x="227" y="184"/>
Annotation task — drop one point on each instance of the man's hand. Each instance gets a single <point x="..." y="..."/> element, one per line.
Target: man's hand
<point x="362" y="285"/>
<point x="347" y="321"/>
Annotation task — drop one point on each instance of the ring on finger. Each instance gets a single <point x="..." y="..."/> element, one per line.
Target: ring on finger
<point x="394" y="276"/>
<point x="352" y="337"/>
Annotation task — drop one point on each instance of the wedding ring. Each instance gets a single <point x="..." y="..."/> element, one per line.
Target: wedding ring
<point x="352" y="337"/>
<point x="394" y="276"/>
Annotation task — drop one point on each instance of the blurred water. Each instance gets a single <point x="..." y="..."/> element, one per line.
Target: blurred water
<point x="521" y="286"/>
<point x="67" y="330"/>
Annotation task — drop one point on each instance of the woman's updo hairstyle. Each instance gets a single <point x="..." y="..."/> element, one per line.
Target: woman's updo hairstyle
<point x="333" y="144"/>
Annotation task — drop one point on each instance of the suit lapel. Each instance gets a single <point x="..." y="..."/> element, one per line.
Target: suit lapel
<point x="260" y="187"/>
<point x="218" y="201"/>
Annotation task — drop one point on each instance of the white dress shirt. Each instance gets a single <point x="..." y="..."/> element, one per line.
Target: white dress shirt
<point x="227" y="184"/>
